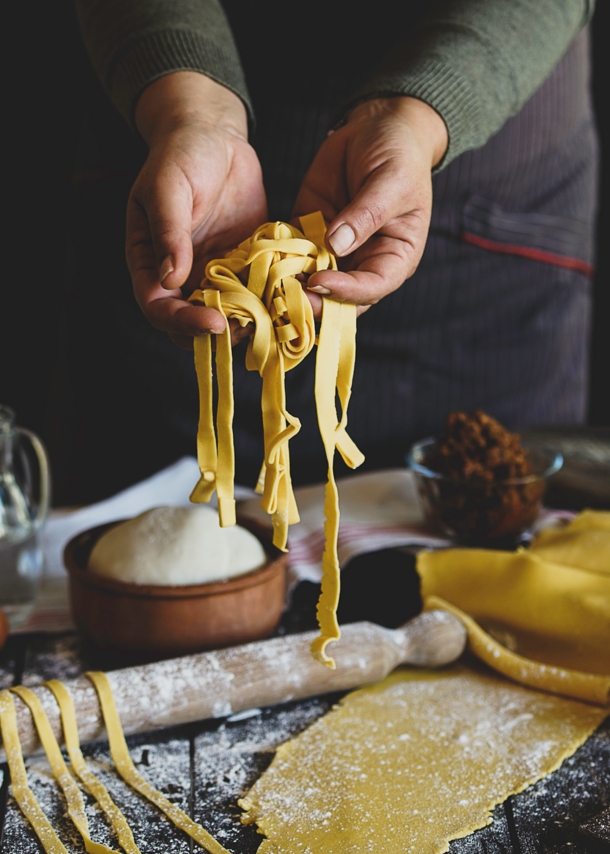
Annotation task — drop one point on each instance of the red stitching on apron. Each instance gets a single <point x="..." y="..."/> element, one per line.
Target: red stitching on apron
<point x="529" y="252"/>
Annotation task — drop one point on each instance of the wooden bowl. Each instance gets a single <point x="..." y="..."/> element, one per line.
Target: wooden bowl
<point x="144" y="622"/>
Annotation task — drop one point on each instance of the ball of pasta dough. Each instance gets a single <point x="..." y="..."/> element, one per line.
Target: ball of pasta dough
<point x="175" y="546"/>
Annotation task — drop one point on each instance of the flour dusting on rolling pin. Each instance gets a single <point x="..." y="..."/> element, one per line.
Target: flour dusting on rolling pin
<point x="224" y="682"/>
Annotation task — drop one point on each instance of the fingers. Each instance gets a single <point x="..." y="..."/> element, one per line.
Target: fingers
<point x="372" y="180"/>
<point x="168" y="311"/>
<point x="182" y="318"/>
<point x="159" y="217"/>
<point x="366" y="285"/>
<point x="385" y="195"/>
<point x="238" y="333"/>
<point x="380" y="266"/>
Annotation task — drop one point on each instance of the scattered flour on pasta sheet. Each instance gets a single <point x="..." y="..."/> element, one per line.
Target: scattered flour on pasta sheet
<point x="409" y="764"/>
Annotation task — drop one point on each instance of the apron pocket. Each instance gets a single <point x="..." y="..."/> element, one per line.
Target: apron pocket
<point x="548" y="238"/>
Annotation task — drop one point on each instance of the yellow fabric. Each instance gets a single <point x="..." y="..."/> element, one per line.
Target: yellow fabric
<point x="542" y="623"/>
<point x="74" y="799"/>
<point x="589" y="520"/>
<point x="22" y="793"/>
<point x="284" y="334"/>
<point x="89" y="780"/>
<point x="406" y="765"/>
<point x="126" y="768"/>
<point x="583" y="544"/>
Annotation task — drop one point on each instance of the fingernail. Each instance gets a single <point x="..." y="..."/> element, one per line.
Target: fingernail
<point x="342" y="239"/>
<point x="318" y="289"/>
<point x="166" y="268"/>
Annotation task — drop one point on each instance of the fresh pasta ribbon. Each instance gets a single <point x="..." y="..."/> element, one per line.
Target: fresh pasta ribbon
<point x="90" y="782"/>
<point x="257" y="283"/>
<point x="74" y="799"/>
<point x="124" y="765"/>
<point x="334" y="371"/>
<point x="26" y="801"/>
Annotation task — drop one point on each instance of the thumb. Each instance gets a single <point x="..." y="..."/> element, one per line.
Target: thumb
<point x="169" y="210"/>
<point x="380" y="199"/>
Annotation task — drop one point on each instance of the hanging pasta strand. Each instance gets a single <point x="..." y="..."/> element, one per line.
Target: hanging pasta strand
<point x="257" y="283"/>
<point x="334" y="372"/>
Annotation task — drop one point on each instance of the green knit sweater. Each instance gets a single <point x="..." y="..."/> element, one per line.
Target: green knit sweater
<point x="475" y="61"/>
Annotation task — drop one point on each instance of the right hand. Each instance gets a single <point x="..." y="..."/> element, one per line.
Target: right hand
<point x="199" y="194"/>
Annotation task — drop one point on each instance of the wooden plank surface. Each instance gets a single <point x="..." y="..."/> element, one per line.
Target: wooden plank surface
<point x="205" y="767"/>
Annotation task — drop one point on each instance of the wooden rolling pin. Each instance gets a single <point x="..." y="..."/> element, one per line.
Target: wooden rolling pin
<point x="227" y="681"/>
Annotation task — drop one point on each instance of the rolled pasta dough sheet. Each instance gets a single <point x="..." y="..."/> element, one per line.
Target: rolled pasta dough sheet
<point x="407" y="765"/>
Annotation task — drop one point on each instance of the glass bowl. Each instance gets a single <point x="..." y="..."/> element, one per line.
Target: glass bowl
<point x="476" y="512"/>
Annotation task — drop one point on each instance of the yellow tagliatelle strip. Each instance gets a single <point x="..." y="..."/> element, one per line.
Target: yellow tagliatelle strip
<point x="334" y="369"/>
<point x="256" y="283"/>
<point x="74" y="799"/>
<point x="22" y="793"/>
<point x="125" y="767"/>
<point x="89" y="780"/>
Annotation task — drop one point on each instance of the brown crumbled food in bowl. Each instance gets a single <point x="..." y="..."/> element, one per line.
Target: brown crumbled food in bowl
<point x="480" y="460"/>
<point x="475" y="445"/>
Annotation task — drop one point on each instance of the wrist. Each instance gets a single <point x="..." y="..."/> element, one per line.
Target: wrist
<point x="188" y="98"/>
<point x="417" y="114"/>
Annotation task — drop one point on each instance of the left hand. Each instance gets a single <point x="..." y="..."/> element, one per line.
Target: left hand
<point x="372" y="180"/>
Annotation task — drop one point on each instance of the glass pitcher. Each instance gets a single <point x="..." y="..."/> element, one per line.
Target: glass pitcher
<point x="24" y="505"/>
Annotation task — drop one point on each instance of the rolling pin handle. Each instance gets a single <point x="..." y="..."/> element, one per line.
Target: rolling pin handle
<point x="432" y="639"/>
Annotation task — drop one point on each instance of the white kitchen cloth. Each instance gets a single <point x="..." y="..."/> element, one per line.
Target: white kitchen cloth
<point x="379" y="510"/>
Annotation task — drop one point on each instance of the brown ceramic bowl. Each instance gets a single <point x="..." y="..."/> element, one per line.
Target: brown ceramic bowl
<point x="146" y="621"/>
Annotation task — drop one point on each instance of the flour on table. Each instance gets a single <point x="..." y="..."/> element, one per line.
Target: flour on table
<point x="407" y="765"/>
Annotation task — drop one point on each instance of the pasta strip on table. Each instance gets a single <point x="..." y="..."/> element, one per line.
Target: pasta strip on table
<point x="26" y="800"/>
<point x="124" y="765"/>
<point x="74" y="799"/>
<point x="89" y="780"/>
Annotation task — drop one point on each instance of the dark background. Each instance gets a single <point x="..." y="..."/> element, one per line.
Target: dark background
<point x="42" y="109"/>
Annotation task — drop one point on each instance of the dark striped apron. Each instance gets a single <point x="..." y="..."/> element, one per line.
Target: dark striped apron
<point x="497" y="315"/>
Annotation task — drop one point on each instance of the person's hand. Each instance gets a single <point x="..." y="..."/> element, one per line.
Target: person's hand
<point x="372" y="181"/>
<point x="199" y="194"/>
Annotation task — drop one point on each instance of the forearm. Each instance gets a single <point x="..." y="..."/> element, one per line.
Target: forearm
<point x="132" y="43"/>
<point x="476" y="62"/>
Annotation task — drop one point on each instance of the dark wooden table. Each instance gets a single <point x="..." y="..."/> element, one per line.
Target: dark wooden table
<point x="206" y="767"/>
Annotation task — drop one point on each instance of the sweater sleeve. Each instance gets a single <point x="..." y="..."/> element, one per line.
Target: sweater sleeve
<point x="477" y="62"/>
<point x="132" y="43"/>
